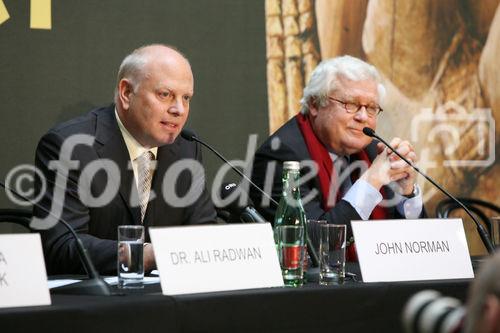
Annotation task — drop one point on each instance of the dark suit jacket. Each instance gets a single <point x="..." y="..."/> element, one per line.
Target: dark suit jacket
<point x="97" y="226"/>
<point x="292" y="147"/>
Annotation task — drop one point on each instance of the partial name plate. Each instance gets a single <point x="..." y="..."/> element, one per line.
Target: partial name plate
<point x="195" y="259"/>
<point x="411" y="250"/>
<point x="23" y="278"/>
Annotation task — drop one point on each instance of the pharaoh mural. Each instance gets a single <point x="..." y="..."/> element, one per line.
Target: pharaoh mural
<point x="440" y="65"/>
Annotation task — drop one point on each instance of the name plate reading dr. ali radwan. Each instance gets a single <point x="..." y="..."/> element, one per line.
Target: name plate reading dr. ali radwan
<point x="406" y="250"/>
<point x="198" y="259"/>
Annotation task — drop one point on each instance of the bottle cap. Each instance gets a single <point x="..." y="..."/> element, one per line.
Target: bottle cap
<point x="291" y="165"/>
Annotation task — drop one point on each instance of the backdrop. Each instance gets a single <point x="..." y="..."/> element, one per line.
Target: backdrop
<point x="50" y="75"/>
<point x="439" y="63"/>
<point x="251" y="59"/>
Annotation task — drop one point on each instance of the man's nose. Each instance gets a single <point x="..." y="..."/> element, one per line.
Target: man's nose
<point x="362" y="113"/>
<point x="178" y="108"/>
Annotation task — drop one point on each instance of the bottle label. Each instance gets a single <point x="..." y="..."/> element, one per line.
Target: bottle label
<point x="292" y="256"/>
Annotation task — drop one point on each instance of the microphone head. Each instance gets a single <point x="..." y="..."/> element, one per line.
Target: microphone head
<point x="234" y="206"/>
<point x="188" y="134"/>
<point x="226" y="189"/>
<point x="369" y="131"/>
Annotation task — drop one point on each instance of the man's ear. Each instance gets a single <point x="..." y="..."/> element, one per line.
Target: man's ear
<point x="125" y="89"/>
<point x="313" y="106"/>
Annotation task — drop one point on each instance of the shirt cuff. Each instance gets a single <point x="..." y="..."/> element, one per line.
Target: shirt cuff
<point x="363" y="197"/>
<point x="410" y="208"/>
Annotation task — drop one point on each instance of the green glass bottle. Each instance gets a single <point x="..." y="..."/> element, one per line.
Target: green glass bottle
<point x="290" y="241"/>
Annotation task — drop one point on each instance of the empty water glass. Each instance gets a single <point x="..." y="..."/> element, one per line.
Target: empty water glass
<point x="332" y="254"/>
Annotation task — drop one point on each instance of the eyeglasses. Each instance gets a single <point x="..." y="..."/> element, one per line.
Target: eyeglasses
<point x="371" y="110"/>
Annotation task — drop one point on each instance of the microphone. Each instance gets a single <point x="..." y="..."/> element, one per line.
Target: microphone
<point x="191" y="136"/>
<point x="480" y="229"/>
<point x="94" y="285"/>
<point x="247" y="213"/>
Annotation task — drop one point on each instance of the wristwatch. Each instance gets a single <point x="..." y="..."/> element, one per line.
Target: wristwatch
<point x="414" y="193"/>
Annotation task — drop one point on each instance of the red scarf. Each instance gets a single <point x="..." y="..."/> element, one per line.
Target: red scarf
<point x="326" y="172"/>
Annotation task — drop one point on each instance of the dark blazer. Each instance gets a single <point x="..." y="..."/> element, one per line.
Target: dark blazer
<point x="292" y="147"/>
<point x="97" y="224"/>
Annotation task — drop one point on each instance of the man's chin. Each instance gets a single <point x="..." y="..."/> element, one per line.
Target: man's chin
<point x="356" y="148"/>
<point x="169" y="139"/>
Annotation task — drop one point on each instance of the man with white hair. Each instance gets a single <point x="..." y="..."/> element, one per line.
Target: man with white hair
<point x="345" y="175"/>
<point x="116" y="171"/>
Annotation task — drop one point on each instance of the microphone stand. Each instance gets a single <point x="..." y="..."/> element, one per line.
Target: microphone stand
<point x="480" y="229"/>
<point x="190" y="136"/>
<point x="94" y="285"/>
<point x="235" y="169"/>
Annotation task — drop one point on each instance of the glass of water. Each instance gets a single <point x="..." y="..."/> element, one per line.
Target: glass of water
<point x="313" y="230"/>
<point x="291" y="254"/>
<point x="130" y="256"/>
<point x="332" y="254"/>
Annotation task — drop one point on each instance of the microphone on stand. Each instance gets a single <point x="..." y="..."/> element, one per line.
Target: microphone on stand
<point x="94" y="285"/>
<point x="480" y="229"/>
<point x="246" y="213"/>
<point x="191" y="136"/>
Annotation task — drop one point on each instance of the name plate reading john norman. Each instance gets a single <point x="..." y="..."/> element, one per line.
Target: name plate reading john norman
<point x="406" y="250"/>
<point x="198" y="259"/>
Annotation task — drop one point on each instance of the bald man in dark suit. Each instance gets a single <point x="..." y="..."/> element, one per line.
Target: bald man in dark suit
<point x="104" y="187"/>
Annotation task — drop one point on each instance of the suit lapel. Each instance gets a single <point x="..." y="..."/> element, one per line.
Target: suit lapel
<point x="113" y="147"/>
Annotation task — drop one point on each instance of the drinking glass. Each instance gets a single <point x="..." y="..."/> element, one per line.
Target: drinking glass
<point x="332" y="254"/>
<point x="313" y="230"/>
<point x="130" y="256"/>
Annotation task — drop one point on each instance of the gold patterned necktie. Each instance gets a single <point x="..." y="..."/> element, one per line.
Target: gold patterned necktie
<point x="144" y="177"/>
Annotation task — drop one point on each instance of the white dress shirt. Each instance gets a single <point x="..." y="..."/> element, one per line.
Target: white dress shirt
<point x="135" y="149"/>
<point x="363" y="197"/>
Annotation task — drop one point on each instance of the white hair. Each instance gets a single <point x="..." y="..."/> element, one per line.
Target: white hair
<point x="325" y="78"/>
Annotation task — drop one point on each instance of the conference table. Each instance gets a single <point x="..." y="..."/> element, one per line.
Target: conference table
<point x="351" y="307"/>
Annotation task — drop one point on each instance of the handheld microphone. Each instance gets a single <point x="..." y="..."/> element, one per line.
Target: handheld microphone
<point x="191" y="136"/>
<point x="480" y="229"/>
<point x="94" y="285"/>
<point x="246" y="213"/>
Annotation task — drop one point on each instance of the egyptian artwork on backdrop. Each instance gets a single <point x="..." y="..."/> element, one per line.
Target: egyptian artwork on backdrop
<point x="438" y="64"/>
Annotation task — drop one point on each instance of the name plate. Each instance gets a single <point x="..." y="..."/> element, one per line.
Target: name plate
<point x="23" y="278"/>
<point x="199" y="259"/>
<point x="406" y="250"/>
